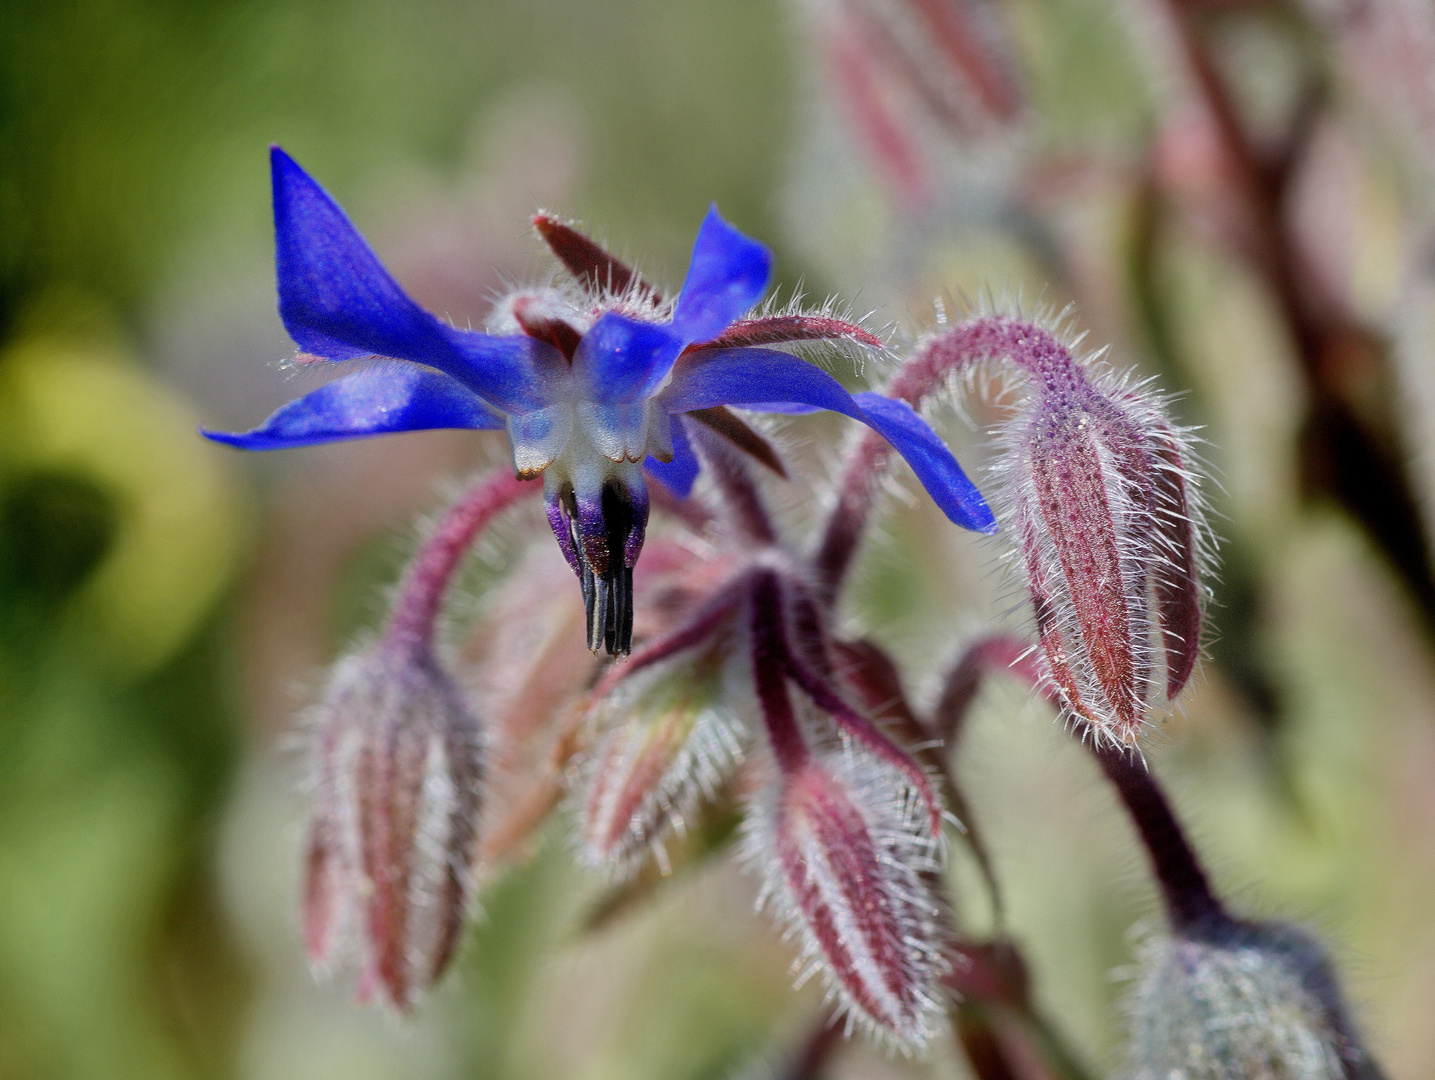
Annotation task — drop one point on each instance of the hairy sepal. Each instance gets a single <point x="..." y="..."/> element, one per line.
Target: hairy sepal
<point x="843" y="860"/>
<point x="667" y="738"/>
<point x="1098" y="490"/>
<point x="392" y="840"/>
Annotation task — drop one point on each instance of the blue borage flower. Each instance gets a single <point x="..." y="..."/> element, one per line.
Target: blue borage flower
<point x="593" y="387"/>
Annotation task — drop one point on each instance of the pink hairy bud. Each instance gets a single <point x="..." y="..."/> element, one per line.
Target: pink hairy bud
<point x="397" y="764"/>
<point x="1102" y="503"/>
<point x="668" y="738"/>
<point x="391" y="842"/>
<point x="843" y="859"/>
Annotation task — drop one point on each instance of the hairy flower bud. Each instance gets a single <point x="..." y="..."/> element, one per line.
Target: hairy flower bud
<point x="1242" y="1001"/>
<point x="391" y="841"/>
<point x="843" y="857"/>
<point x="669" y="736"/>
<point x="1102" y="504"/>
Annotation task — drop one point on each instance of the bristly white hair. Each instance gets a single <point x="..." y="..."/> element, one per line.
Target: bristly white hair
<point x="905" y="853"/>
<point x="1137" y="512"/>
<point x="627" y="801"/>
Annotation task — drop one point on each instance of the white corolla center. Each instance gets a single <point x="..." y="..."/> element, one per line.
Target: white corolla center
<point x="581" y="435"/>
<point x="584" y="438"/>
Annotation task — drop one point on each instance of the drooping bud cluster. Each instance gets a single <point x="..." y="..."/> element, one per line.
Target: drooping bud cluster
<point x="843" y="825"/>
<point x="1241" y="1001"/>
<point x="1098" y="494"/>
<point x="388" y="867"/>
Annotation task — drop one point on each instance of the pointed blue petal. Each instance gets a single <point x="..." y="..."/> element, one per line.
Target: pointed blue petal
<point x="338" y="302"/>
<point x="379" y="401"/>
<point x="754" y="377"/>
<point x="936" y="468"/>
<point x="727" y="275"/>
<point x="625" y="360"/>
<point x="679" y="474"/>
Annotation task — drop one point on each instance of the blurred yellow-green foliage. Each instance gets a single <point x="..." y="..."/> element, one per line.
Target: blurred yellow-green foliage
<point x="165" y="605"/>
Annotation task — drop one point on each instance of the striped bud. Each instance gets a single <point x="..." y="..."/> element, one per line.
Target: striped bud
<point x="1242" y="1001"/>
<point x="391" y="841"/>
<point x="668" y="737"/>
<point x="843" y="858"/>
<point x="1101" y="502"/>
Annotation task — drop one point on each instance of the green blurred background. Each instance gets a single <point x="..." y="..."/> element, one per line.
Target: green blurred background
<point x="166" y="606"/>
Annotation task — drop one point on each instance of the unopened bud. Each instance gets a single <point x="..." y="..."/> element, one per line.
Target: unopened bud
<point x="391" y="844"/>
<point x="843" y="858"/>
<point x="1242" y="1001"/>
<point x="669" y="737"/>
<point x="1101" y="501"/>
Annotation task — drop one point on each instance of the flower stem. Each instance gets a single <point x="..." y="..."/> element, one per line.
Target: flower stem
<point x="1184" y="888"/>
<point x="414" y="618"/>
<point x="1033" y="349"/>
<point x="769" y="672"/>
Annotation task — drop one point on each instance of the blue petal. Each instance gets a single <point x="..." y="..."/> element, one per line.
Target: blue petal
<point x="909" y="434"/>
<point x="679" y="474"/>
<point x="338" y="302"/>
<point x="379" y="401"/>
<point x="727" y="275"/>
<point x="752" y="377"/>
<point x="625" y="360"/>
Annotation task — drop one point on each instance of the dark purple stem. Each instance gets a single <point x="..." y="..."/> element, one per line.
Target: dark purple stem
<point x="414" y="618"/>
<point x="1184" y="888"/>
<point x="1190" y="903"/>
<point x="744" y="502"/>
<point x="769" y="671"/>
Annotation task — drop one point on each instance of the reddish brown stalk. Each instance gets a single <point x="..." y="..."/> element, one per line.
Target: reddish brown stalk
<point x="856" y="492"/>
<point x="415" y="615"/>
<point x="744" y="502"/>
<point x="1000" y="652"/>
<point x="769" y="671"/>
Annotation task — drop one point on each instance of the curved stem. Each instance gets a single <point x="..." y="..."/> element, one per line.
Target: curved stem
<point x="856" y="492"/>
<point x="414" y="618"/>
<point x="1184" y="887"/>
<point x="1032" y="348"/>
<point x="999" y="652"/>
